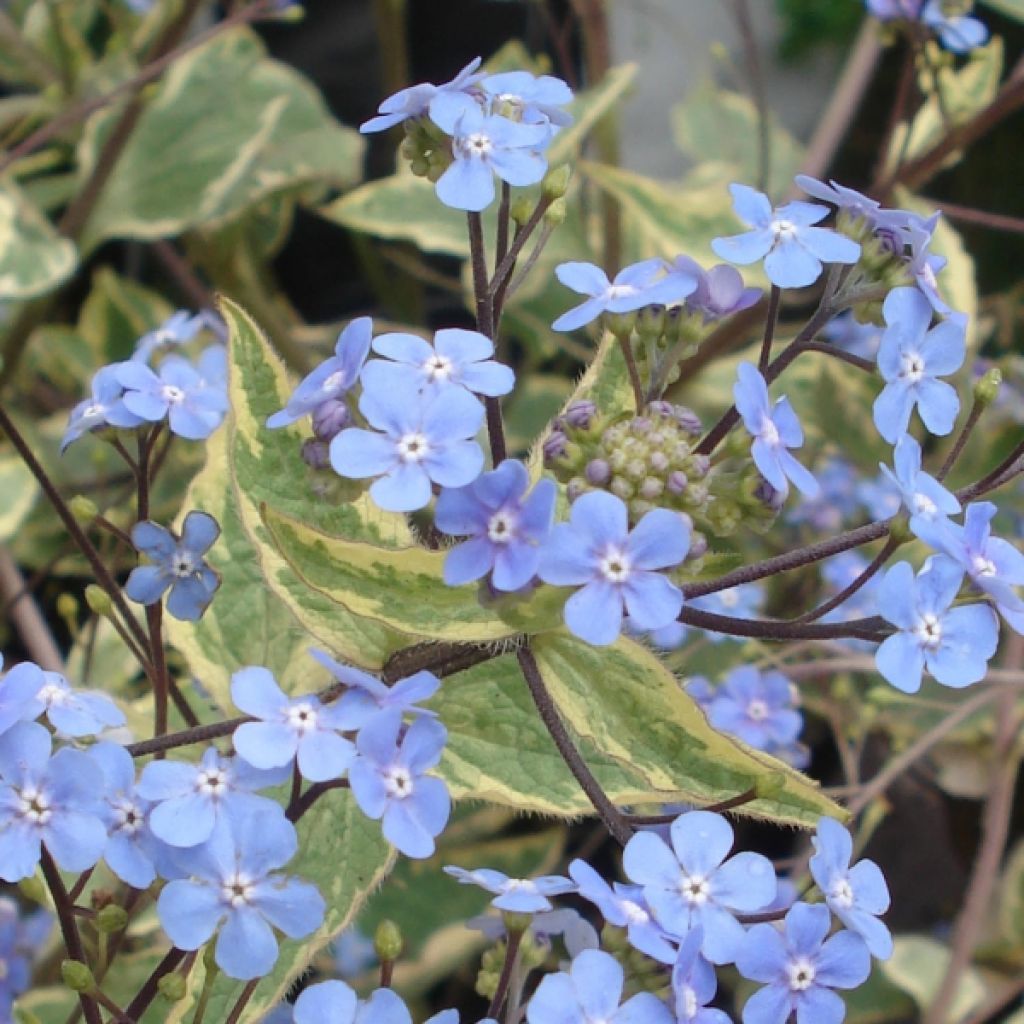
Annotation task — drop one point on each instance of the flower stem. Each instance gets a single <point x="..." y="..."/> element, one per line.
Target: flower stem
<point x="770" y="321"/>
<point x="848" y="591"/>
<point x="511" y="956"/>
<point x="961" y="440"/>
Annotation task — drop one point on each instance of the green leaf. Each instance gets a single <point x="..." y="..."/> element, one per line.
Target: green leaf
<point x="1011" y="8"/>
<point x="117" y="313"/>
<point x="18" y="492"/>
<point x="624" y="700"/>
<point x="918" y="965"/>
<point x="34" y="259"/>
<point x="237" y="127"/>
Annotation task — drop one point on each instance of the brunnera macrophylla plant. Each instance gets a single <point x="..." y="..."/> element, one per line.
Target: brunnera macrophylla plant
<point x="388" y="616"/>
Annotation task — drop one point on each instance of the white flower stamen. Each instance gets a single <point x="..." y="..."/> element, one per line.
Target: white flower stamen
<point x="614" y="566"/>
<point x="413" y="447"/>
<point x="398" y="782"/>
<point x="801" y="974"/>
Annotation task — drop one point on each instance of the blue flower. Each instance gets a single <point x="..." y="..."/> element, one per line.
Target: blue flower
<point x="758" y="707"/>
<point x="178" y="329"/>
<point x="191" y="798"/>
<point x="20" y="939"/>
<point x="353" y="952"/>
<point x="458" y="358"/>
<point x="334" y="1002"/>
<point x="234" y="888"/>
<point x="521" y="96"/>
<point x="518" y="895"/>
<point x="484" y="146"/>
<point x="916" y="235"/>
<point x="856" y="895"/>
<point x="927" y="501"/>
<point x="849" y="200"/>
<point x="423" y="439"/>
<point x="957" y="32"/>
<point x="506" y="528"/>
<point x="415" y="100"/>
<point x="366" y="696"/>
<point x="740" y="602"/>
<point x="846" y="333"/>
<point x="994" y="565"/>
<point x="333" y="378"/>
<point x="177" y="563"/>
<point x="44" y="800"/>
<point x="299" y="728"/>
<point x="193" y="408"/>
<point x="692" y="883"/>
<point x="800" y="968"/>
<point x="719" y="292"/>
<point x="104" y="409"/>
<point x="910" y="359"/>
<point x="639" y="284"/>
<point x="792" y="250"/>
<point x="132" y="852"/>
<point x="694" y="984"/>
<point x="774" y="429"/>
<point x="591" y="992"/>
<point x="881" y="496"/>
<point x="624" y="906"/>
<point x="615" y="567"/>
<point x="77" y="713"/>
<point x="389" y="782"/>
<point x="19" y="694"/>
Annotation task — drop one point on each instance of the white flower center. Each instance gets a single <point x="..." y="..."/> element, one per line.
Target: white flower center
<point x="213" y="782"/>
<point x="34" y="806"/>
<point x="301" y="717"/>
<point x="769" y="432"/>
<point x="982" y="566"/>
<point x="476" y="145"/>
<point x="729" y="598"/>
<point x="841" y="893"/>
<point x="912" y="369"/>
<point x="438" y="368"/>
<point x="398" y="782"/>
<point x="53" y="695"/>
<point x="90" y="412"/>
<point x="783" y="230"/>
<point x="184" y="563"/>
<point x="922" y="505"/>
<point x="801" y="974"/>
<point x="614" y="566"/>
<point x="621" y="291"/>
<point x="172" y="395"/>
<point x="237" y="890"/>
<point x="695" y="889"/>
<point x="128" y="817"/>
<point x="757" y="710"/>
<point x="929" y="631"/>
<point x="333" y="382"/>
<point x="413" y="447"/>
<point x="688" y="1001"/>
<point x="501" y="528"/>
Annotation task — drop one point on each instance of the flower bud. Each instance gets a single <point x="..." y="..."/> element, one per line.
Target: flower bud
<point x="172" y="987"/>
<point x="77" y="976"/>
<point x="556" y="213"/>
<point x="555" y="446"/>
<point x="576" y="488"/>
<point x="520" y="210"/>
<point x="698" y="546"/>
<point x="316" y="454"/>
<point x="67" y="609"/>
<point x="387" y="941"/>
<point x="556" y="182"/>
<point x="112" y="918"/>
<point x="330" y="418"/>
<point x="83" y="509"/>
<point x="651" y="488"/>
<point x="98" y="600"/>
<point x="516" y="922"/>
<point x="620" y="324"/>
<point x="676" y="482"/>
<point x="598" y="472"/>
<point x="33" y="889"/>
<point x="986" y="391"/>
<point x="579" y="415"/>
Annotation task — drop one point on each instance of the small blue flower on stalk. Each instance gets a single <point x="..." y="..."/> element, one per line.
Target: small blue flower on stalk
<point x="615" y="567"/>
<point x="333" y="378"/>
<point x="531" y="99"/>
<point x="458" y="358"/>
<point x="741" y="602"/>
<point x="923" y="265"/>
<point x="19" y="694"/>
<point x="334" y="1002"/>
<point x="178" y="563"/>
<point x="775" y="429"/>
<point x="297" y="728"/>
<point x="590" y="993"/>
<point x="517" y="895"/>
<point x="719" y="292"/>
<point x="692" y="883"/>
<point x="694" y="984"/>
<point x="849" y="200"/>
<point x="910" y="358"/>
<point x="175" y="391"/>
<point x="758" y="707"/>
<point x="994" y="565"/>
<point x="927" y="501"/>
<point x="178" y="329"/>
<point x="132" y="852"/>
<point x="793" y="251"/>
<point x="846" y="333"/>
<point x="388" y="780"/>
<point x="624" y="906"/>
<point x="76" y="712"/>
<point x="506" y="529"/>
<point x="957" y="32"/>
<point x="856" y="895"/>
<point x="191" y="798"/>
<point x="415" y="100"/>
<point x="484" y="146"/>
<point x="47" y="801"/>
<point x="235" y="889"/>
<point x="104" y="409"/>
<point x="799" y="968"/>
<point x="637" y="285"/>
<point x="835" y="501"/>
<point x="367" y="697"/>
<point x="422" y="439"/>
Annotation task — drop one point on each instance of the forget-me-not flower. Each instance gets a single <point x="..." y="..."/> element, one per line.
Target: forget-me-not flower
<point x="792" y="249"/>
<point x="175" y="562"/>
<point x="505" y="526"/>
<point x="958" y="33"/>
<point x="694" y="984"/>
<point x="21" y="938"/>
<point x="720" y="291"/>
<point x="415" y="100"/>
<point x="534" y="99"/>
<point x="639" y="284"/>
<point x="77" y="712"/>
<point x="518" y="895"/>
<point x="234" y="888"/>
<point x="299" y="728"/>
<point x="857" y="895"/>
<point x="799" y="968"/>
<point x="758" y="707"/>
<point x="911" y="358"/>
<point x="927" y="501"/>
<point x="175" y="391"/>
<point x="389" y="780"/>
<point x="104" y="409"/>
<point x="775" y="429"/>
<point x="19" y="689"/>
<point x="615" y="567"/>
<point x="178" y="329"/>
<point x="418" y="439"/>
<point x="691" y="883"/>
<point x="333" y="378"/>
<point x="458" y="358"/>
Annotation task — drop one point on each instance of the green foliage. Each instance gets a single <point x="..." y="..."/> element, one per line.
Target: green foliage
<point x="34" y="259"/>
<point x="918" y="966"/>
<point x="808" y="25"/>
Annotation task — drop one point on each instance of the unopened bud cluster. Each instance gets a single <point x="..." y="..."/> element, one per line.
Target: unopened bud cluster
<point x="427" y="148"/>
